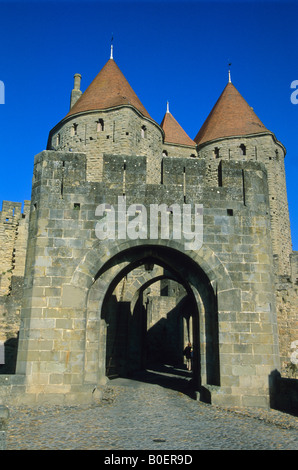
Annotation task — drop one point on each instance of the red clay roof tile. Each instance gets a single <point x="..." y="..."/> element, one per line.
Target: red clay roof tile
<point x="174" y="133"/>
<point x="230" y="116"/>
<point x="109" y="89"/>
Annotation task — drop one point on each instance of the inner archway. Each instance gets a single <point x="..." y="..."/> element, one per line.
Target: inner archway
<point x="130" y="345"/>
<point x="148" y="328"/>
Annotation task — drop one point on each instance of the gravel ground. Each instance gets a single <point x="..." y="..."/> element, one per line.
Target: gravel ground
<point x="142" y="416"/>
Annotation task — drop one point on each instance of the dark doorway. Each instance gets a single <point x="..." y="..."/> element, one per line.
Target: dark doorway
<point x="145" y="339"/>
<point x="149" y="333"/>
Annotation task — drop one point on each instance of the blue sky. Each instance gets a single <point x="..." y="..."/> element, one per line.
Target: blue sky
<point x="171" y="50"/>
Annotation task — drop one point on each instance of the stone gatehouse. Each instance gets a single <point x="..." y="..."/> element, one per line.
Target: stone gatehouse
<point x="95" y="290"/>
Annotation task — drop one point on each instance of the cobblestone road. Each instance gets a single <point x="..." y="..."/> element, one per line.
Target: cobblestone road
<point x="144" y="416"/>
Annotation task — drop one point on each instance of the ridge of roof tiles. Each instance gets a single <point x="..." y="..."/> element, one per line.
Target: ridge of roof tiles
<point x="174" y="133"/>
<point x="230" y="116"/>
<point x="108" y="89"/>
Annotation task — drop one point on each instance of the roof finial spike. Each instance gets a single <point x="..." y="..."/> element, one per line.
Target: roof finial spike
<point x="111" y="56"/>
<point x="168" y="107"/>
<point x="230" y="81"/>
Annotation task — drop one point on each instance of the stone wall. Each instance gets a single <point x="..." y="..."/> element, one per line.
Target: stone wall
<point x="265" y="149"/>
<point x="287" y="312"/>
<point x="13" y="242"/>
<point x="64" y="255"/>
<point x="13" y="248"/>
<point x="4" y="417"/>
<point x="115" y="131"/>
<point x="174" y="150"/>
<point x="237" y="229"/>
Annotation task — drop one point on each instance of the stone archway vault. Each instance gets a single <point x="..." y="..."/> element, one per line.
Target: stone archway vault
<point x="145" y="329"/>
<point x="202" y="274"/>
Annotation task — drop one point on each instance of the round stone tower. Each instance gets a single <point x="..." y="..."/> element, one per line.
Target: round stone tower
<point x="232" y="131"/>
<point x="108" y="118"/>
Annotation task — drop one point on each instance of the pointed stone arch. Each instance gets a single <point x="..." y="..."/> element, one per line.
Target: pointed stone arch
<point x="101" y="258"/>
<point x="106" y="263"/>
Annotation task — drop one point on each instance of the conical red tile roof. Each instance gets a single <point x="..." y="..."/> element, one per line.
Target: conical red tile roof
<point x="109" y="89"/>
<point x="230" y="116"/>
<point x="174" y="133"/>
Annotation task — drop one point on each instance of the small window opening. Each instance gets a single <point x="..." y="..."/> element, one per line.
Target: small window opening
<point x="77" y="206"/>
<point x="216" y="152"/>
<point x="242" y="149"/>
<point x="74" y="129"/>
<point x="100" y="125"/>
<point x="164" y="291"/>
<point x="230" y="212"/>
<point x="58" y="139"/>
<point x="184" y="184"/>
<point x="143" y="132"/>
<point x="124" y="178"/>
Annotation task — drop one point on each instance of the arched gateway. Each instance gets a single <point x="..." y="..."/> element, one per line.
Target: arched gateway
<point x="104" y="284"/>
<point x="185" y="270"/>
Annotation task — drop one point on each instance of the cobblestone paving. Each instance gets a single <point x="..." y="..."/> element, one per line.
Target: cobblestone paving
<point x="143" y="416"/>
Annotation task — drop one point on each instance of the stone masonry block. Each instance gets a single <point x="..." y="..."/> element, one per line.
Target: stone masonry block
<point x="229" y="300"/>
<point x="73" y="297"/>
